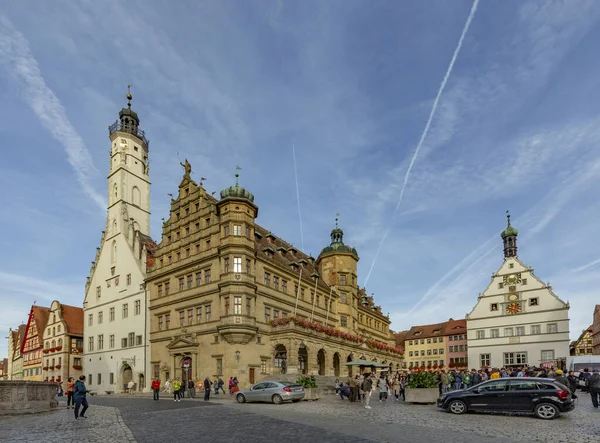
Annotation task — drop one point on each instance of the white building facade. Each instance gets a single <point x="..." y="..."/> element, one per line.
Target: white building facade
<point x="517" y="320"/>
<point x="115" y="313"/>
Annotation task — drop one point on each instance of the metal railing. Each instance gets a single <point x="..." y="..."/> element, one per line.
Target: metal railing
<point x="130" y="129"/>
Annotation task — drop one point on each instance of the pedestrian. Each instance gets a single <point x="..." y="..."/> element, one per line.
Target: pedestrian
<point x="216" y="385"/>
<point x="207" y="384"/>
<point x="176" y="390"/>
<point x="559" y="377"/>
<point x="337" y="385"/>
<point x="383" y="388"/>
<point x="396" y="387"/>
<point x="70" y="399"/>
<point x="351" y="382"/>
<point x="130" y="386"/>
<point x="230" y="385"/>
<point x="466" y="380"/>
<point x="583" y="377"/>
<point x="367" y="387"/>
<point x="573" y="382"/>
<point x="80" y="394"/>
<point x="156" y="388"/>
<point x="167" y="387"/>
<point x="593" y="386"/>
<point x="344" y="391"/>
<point x="192" y="388"/>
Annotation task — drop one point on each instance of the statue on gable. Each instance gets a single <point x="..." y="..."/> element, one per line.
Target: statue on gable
<point x="187" y="168"/>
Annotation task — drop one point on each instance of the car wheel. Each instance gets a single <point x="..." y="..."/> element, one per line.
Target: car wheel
<point x="457" y="407"/>
<point x="277" y="399"/>
<point x="240" y="398"/>
<point x="546" y="411"/>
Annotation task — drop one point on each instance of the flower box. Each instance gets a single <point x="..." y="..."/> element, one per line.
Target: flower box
<point x="51" y="368"/>
<point x="311" y="394"/>
<point x="45" y="351"/>
<point x="45" y="368"/>
<point x="57" y="367"/>
<point x="52" y="349"/>
<point x="59" y="348"/>
<point x="77" y="367"/>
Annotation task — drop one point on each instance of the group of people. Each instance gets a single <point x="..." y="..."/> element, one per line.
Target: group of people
<point x="361" y="387"/>
<point x="179" y="388"/>
<point x="77" y="396"/>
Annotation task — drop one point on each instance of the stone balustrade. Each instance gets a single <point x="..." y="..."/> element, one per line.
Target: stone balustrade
<point x="26" y="397"/>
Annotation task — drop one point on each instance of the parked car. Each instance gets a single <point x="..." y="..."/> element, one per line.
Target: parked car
<point x="544" y="397"/>
<point x="271" y="391"/>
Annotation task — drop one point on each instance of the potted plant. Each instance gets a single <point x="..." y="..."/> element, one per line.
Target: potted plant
<point x="45" y="351"/>
<point x="309" y="383"/>
<point x="45" y="368"/>
<point x="51" y="368"/>
<point x="77" y="367"/>
<point x="57" y="366"/>
<point x="422" y="387"/>
<point x="59" y="348"/>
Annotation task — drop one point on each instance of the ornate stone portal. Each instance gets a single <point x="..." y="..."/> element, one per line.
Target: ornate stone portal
<point x="25" y="397"/>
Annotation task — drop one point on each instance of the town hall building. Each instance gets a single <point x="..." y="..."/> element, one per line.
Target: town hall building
<point x="115" y="311"/>
<point x="518" y="320"/>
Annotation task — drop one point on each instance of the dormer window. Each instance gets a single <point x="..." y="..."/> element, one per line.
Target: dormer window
<point x="271" y="237"/>
<point x="282" y="250"/>
<point x="302" y="261"/>
<point x="257" y="234"/>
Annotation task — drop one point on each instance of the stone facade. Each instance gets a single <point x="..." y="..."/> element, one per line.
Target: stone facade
<point x="63" y="343"/>
<point x="22" y="397"/>
<point x="115" y="309"/>
<point x="517" y="320"/>
<point x="229" y="298"/>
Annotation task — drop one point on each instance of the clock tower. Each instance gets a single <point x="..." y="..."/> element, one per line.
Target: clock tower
<point x="518" y="320"/>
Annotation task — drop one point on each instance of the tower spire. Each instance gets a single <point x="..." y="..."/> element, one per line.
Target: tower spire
<point x="509" y="237"/>
<point x="129" y="96"/>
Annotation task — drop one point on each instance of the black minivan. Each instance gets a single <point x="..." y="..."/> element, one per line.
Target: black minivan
<point x="545" y="397"/>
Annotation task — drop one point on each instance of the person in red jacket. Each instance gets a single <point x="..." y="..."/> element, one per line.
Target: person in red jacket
<point x="156" y="388"/>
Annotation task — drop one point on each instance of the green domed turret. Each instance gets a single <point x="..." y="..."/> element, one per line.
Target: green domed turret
<point x="509" y="238"/>
<point x="337" y="243"/>
<point x="237" y="192"/>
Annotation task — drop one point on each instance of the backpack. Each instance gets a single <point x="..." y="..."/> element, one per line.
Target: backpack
<point x="467" y="379"/>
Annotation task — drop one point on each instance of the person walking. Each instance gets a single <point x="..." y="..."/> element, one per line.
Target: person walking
<point x="216" y="385"/>
<point x="573" y="382"/>
<point x="70" y="387"/>
<point x="192" y="388"/>
<point x="593" y="386"/>
<point x="383" y="388"/>
<point x="80" y="394"/>
<point x="221" y="383"/>
<point x="368" y="389"/>
<point x="156" y="388"/>
<point x="176" y="390"/>
<point x="130" y="386"/>
<point x="396" y="387"/>
<point x="207" y="384"/>
<point x="167" y="387"/>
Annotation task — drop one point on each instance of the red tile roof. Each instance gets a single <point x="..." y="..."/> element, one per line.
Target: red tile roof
<point x="449" y="327"/>
<point x="400" y="337"/>
<point x="73" y="317"/>
<point x="39" y="314"/>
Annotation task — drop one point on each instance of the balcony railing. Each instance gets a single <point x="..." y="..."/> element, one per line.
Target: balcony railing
<point x="130" y="129"/>
<point x="238" y="320"/>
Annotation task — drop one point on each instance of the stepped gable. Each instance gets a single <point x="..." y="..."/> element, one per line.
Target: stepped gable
<point x="267" y="241"/>
<point x="73" y="317"/>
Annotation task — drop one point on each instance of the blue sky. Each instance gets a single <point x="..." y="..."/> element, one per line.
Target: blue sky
<point x="351" y="85"/>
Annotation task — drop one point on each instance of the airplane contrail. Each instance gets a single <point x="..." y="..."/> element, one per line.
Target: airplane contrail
<point x="426" y="130"/>
<point x="298" y="196"/>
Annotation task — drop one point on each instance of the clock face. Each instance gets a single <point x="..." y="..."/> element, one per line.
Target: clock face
<point x="512" y="279"/>
<point x="513" y="308"/>
<point x="513" y="297"/>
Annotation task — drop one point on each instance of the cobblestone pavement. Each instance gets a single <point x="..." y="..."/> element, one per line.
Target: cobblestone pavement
<point x="579" y="426"/>
<point x="104" y="425"/>
<point x="139" y="419"/>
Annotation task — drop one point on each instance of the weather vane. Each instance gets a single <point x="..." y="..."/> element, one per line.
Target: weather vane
<point x="129" y="96"/>
<point x="337" y="216"/>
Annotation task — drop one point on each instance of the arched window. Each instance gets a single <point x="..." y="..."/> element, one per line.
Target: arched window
<point x="135" y="196"/>
<point x="53" y="344"/>
<point x="113" y="256"/>
<point x="60" y="342"/>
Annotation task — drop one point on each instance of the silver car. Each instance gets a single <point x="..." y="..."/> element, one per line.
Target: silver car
<point x="271" y="391"/>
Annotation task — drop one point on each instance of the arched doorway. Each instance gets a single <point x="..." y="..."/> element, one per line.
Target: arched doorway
<point x="336" y="364"/>
<point x="186" y="370"/>
<point x="321" y="361"/>
<point x="280" y="359"/>
<point x="303" y="359"/>
<point x="348" y="360"/>
<point x="126" y="375"/>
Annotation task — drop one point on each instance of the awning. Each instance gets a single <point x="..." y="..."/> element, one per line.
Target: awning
<point x="369" y="363"/>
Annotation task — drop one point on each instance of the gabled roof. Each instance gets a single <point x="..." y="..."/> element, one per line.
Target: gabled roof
<point x="73" y="317"/>
<point x="265" y="240"/>
<point x="39" y="315"/>
<point x="450" y="327"/>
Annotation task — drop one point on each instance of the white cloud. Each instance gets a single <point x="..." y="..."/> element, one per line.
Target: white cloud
<point x="20" y="64"/>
